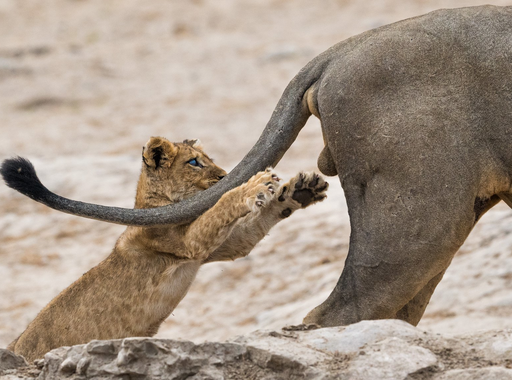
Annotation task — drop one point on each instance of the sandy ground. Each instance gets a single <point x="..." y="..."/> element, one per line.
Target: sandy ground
<point x="83" y="85"/>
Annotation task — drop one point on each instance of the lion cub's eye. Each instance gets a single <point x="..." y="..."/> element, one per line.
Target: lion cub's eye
<point x="194" y="162"/>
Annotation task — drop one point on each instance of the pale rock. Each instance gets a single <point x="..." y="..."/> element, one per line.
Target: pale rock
<point x="348" y="340"/>
<point x="384" y="350"/>
<point x="493" y="344"/>
<point x="491" y="373"/>
<point x="9" y="360"/>
<point x="392" y="358"/>
<point x="267" y="346"/>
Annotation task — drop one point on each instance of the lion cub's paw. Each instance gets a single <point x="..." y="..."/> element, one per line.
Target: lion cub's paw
<point x="305" y="189"/>
<point x="261" y="189"/>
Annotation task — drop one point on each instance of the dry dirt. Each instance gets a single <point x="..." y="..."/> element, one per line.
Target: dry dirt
<point x="84" y="84"/>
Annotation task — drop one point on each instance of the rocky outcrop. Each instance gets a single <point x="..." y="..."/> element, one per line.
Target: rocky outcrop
<point x="386" y="349"/>
<point x="9" y="360"/>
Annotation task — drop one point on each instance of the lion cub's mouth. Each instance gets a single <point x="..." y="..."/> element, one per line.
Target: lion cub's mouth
<point x="175" y="197"/>
<point x="203" y="185"/>
<point x="208" y="182"/>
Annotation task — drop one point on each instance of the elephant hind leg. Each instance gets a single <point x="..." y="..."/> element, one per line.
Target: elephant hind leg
<point x="415" y="308"/>
<point x="405" y="232"/>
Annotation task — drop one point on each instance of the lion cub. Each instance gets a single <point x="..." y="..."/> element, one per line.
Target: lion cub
<point x="150" y="269"/>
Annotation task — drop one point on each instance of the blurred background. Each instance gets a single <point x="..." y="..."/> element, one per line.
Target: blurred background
<point x="85" y="83"/>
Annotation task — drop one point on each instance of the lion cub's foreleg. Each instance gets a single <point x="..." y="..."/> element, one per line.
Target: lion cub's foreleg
<point x="301" y="191"/>
<point x="211" y="229"/>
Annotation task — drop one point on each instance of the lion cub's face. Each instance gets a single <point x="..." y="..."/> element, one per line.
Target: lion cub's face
<point x="174" y="171"/>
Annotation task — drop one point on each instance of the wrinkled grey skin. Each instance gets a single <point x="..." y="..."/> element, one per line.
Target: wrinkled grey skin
<point x="417" y="119"/>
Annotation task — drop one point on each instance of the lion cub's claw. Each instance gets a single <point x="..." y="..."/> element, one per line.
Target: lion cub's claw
<point x="305" y="188"/>
<point x="261" y="189"/>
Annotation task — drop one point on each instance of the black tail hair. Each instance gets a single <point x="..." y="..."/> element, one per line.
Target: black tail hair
<point x="20" y="175"/>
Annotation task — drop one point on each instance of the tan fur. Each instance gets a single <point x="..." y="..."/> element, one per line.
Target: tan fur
<point x="151" y="269"/>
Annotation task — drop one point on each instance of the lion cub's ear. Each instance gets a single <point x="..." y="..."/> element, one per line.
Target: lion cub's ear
<point x="194" y="143"/>
<point x="158" y="152"/>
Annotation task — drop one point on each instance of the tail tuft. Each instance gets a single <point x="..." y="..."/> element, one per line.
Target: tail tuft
<point x="19" y="174"/>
